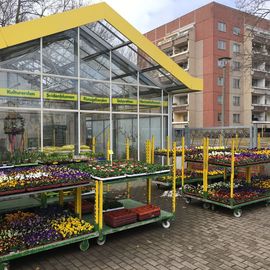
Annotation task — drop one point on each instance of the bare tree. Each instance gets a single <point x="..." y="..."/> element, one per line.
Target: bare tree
<point x="15" y="11"/>
<point x="260" y="8"/>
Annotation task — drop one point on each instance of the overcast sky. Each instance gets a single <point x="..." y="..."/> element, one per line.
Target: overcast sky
<point x="148" y="14"/>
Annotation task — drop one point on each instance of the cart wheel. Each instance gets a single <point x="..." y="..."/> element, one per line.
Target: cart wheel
<point x="187" y="200"/>
<point x="4" y="266"/>
<point x="84" y="245"/>
<point x="101" y="241"/>
<point x="237" y="213"/>
<point x="206" y="205"/>
<point x="166" y="224"/>
<point x="212" y="207"/>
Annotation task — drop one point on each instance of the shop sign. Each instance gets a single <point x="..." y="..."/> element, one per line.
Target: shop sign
<point x="150" y="102"/>
<point x="96" y="100"/>
<point x="8" y="92"/>
<point x="124" y="101"/>
<point x="60" y="96"/>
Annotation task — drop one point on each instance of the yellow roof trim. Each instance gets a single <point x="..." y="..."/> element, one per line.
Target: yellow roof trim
<point x="30" y="30"/>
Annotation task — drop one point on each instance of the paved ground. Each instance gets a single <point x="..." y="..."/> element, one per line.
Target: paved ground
<point x="198" y="239"/>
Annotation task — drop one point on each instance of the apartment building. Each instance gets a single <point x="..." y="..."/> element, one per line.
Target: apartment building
<point x="196" y="42"/>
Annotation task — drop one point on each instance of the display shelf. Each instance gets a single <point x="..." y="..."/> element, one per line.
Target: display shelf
<point x="14" y="255"/>
<point x="11" y="196"/>
<point x="187" y="181"/>
<point x="232" y="204"/>
<point x="229" y="164"/>
<point x="128" y="204"/>
<point x="165" y="217"/>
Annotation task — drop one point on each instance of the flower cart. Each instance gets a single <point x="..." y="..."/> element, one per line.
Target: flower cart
<point x="237" y="193"/>
<point x="16" y="238"/>
<point x="135" y="213"/>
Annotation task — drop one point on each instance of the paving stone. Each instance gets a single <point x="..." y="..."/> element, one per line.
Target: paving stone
<point x="197" y="239"/>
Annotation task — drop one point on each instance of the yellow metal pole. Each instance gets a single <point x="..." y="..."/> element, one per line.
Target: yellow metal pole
<point x="183" y="163"/>
<point x="248" y="174"/>
<point x="96" y="204"/>
<point x="78" y="201"/>
<point x="205" y="166"/>
<point x="153" y="150"/>
<point x="149" y="184"/>
<point x="232" y="172"/>
<point x="100" y="220"/>
<point x="94" y="144"/>
<point x="127" y="149"/>
<point x="61" y="197"/>
<point x="174" y="178"/>
<point x="168" y="150"/>
<point x="220" y="140"/>
<point x="108" y="149"/>
<point x="127" y="158"/>
<point x="236" y="142"/>
<point x="259" y="141"/>
<point x="108" y="159"/>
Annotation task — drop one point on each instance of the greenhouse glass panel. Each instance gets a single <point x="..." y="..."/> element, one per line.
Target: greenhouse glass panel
<point x="60" y="93"/>
<point x="98" y="126"/>
<point x="150" y="126"/>
<point x="125" y="127"/>
<point x="25" y="57"/>
<point x="19" y="130"/>
<point x="19" y="90"/>
<point x="60" y="53"/>
<point x="150" y="100"/>
<point x="60" y="129"/>
<point x="95" y="96"/>
<point x="124" y="98"/>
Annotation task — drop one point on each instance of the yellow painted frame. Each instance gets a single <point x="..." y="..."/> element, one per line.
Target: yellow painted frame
<point x="30" y="30"/>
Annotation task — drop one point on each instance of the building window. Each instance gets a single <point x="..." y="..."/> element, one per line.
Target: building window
<point x="236" y="101"/>
<point x="219" y="117"/>
<point x="236" y="118"/>
<point x="236" y="65"/>
<point x="236" y="83"/>
<point x="219" y="99"/>
<point x="236" y="48"/>
<point x="222" y="26"/>
<point x="236" y="30"/>
<point x="221" y="45"/>
<point x="220" y="81"/>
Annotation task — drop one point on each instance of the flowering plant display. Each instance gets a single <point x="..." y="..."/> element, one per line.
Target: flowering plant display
<point x="243" y="191"/>
<point x="194" y="174"/>
<point x="26" y="229"/>
<point x="22" y="178"/>
<point x="242" y="157"/>
<point x="118" y="168"/>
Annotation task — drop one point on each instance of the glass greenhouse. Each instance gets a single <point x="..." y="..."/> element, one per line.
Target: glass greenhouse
<point x="85" y="78"/>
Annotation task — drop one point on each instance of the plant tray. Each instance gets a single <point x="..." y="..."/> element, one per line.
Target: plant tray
<point x="108" y="178"/>
<point x="30" y="189"/>
<point x="146" y="211"/>
<point x="10" y="192"/>
<point x="74" y="183"/>
<point x="159" y="172"/>
<point x="87" y="207"/>
<point x="136" y="175"/>
<point x="120" y="217"/>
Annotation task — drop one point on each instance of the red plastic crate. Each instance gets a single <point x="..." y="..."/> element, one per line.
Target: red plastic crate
<point x="119" y="217"/>
<point x="146" y="211"/>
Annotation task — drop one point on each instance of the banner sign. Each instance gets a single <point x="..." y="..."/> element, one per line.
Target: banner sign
<point x="6" y="92"/>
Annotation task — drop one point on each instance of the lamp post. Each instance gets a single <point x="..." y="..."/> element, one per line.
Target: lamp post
<point x="225" y="61"/>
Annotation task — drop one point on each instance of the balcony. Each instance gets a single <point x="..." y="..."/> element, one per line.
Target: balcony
<point x="177" y="37"/>
<point x="181" y="108"/>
